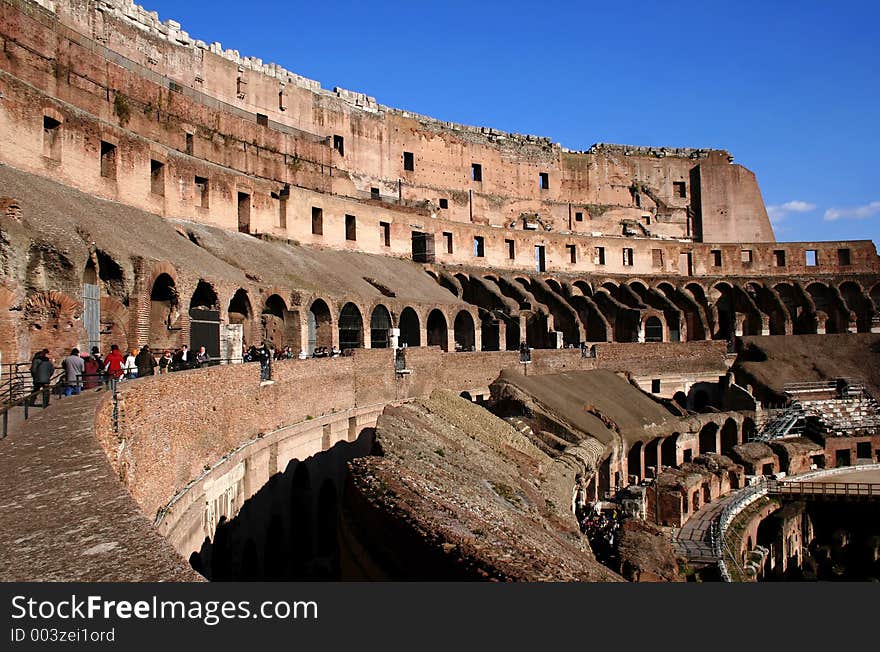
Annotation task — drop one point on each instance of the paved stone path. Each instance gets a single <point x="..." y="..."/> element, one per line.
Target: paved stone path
<point x="64" y="515"/>
<point x="692" y="540"/>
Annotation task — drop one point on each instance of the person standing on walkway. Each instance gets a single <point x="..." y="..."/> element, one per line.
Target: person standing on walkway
<point x="129" y="368"/>
<point x="74" y="368"/>
<point x="114" y="362"/>
<point x="145" y="362"/>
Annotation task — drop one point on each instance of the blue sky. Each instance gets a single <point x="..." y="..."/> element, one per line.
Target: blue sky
<point x="789" y="88"/>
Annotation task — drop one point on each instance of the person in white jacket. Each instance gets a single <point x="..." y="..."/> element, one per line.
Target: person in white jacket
<point x="129" y="367"/>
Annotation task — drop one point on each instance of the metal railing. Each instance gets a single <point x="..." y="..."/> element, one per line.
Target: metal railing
<point x="27" y="400"/>
<point x="810" y="489"/>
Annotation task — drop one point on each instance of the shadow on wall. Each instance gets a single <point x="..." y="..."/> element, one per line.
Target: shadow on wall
<point x="288" y="529"/>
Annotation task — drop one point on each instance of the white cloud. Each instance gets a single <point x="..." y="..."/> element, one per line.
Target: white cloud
<point x="779" y="212"/>
<point x="854" y="212"/>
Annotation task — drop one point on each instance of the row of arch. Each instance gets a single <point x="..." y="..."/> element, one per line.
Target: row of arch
<point x="550" y="313"/>
<point x="281" y="325"/>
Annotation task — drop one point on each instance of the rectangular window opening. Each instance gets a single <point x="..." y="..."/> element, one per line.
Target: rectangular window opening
<point x="262" y="120"/>
<point x="385" y="233"/>
<point x="479" y="246"/>
<point x="157" y="177"/>
<point x="51" y="138"/>
<point x="476" y="172"/>
<point x="843" y="258"/>
<point x="317" y="221"/>
<point x="244" y="212"/>
<point x="655" y="385"/>
<point x="544" y="180"/>
<point x="812" y="257"/>
<point x="578" y="217"/>
<point x="745" y="256"/>
<point x="339" y="144"/>
<point x="572" y="253"/>
<point x="540" y="259"/>
<point x="599" y="257"/>
<point x="350" y="227"/>
<point x="409" y="162"/>
<point x="447" y="238"/>
<point x="374" y="193"/>
<point x="444" y="203"/>
<point x="108" y="160"/>
<point x="716" y="258"/>
<point x="779" y="257"/>
<point x="201" y="190"/>
<point x="627" y="257"/>
<point x="679" y="189"/>
<point x="189" y="144"/>
<point x="511" y="249"/>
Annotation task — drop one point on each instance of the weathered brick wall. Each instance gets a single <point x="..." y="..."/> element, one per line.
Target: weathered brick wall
<point x="172" y="426"/>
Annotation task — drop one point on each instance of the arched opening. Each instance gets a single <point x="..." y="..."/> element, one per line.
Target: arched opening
<point x="240" y="314"/>
<point x="634" y="461"/>
<point x="465" y="335"/>
<point x="707" y="494"/>
<point x="204" y="319"/>
<point x="729" y="436"/>
<point x="320" y="326"/>
<point x="653" y="329"/>
<point x="437" y="331"/>
<point x="512" y="336"/>
<point x="91" y="296"/>
<point x="351" y="327"/>
<point x="826" y="302"/>
<point x="380" y="325"/>
<point x="164" y="312"/>
<point x="749" y="430"/>
<point x="695" y="500"/>
<point x="708" y="438"/>
<point x="273" y="321"/>
<point x="680" y="398"/>
<point x="466" y="395"/>
<point x="490" y="334"/>
<point x="410" y="328"/>
<point x="701" y="400"/>
<point x="857" y="302"/>
<point x="668" y="450"/>
<point x="652" y="451"/>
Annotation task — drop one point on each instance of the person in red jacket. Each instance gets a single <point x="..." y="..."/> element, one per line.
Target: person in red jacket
<point x="113" y="363"/>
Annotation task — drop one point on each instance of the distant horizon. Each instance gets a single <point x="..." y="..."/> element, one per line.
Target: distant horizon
<point x="798" y="107"/>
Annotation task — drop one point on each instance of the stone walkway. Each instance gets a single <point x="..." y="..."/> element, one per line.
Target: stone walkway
<point x="64" y="515"/>
<point x="692" y="540"/>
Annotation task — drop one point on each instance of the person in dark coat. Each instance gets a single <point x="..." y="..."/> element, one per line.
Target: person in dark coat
<point x="145" y="362"/>
<point x="42" y="369"/>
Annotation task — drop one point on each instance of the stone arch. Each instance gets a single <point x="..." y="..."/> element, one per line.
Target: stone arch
<point x="584" y="287"/>
<point x="694" y="320"/>
<point x="708" y="438"/>
<point x="653" y="329"/>
<point x="351" y="327"/>
<point x="875" y="296"/>
<point x="854" y="296"/>
<point x="465" y="331"/>
<point x="826" y="302"/>
<point x="554" y="285"/>
<point x="730" y="436"/>
<point x="273" y="320"/>
<point x="240" y="312"/>
<point x="652" y="455"/>
<point x="111" y="276"/>
<point x="634" y="461"/>
<point x="769" y="302"/>
<point x="437" y="329"/>
<point x="164" y="312"/>
<point x="669" y="450"/>
<point x="204" y="316"/>
<point x="320" y="325"/>
<point x="749" y="430"/>
<point x="802" y="315"/>
<point x="380" y="328"/>
<point x="410" y="327"/>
